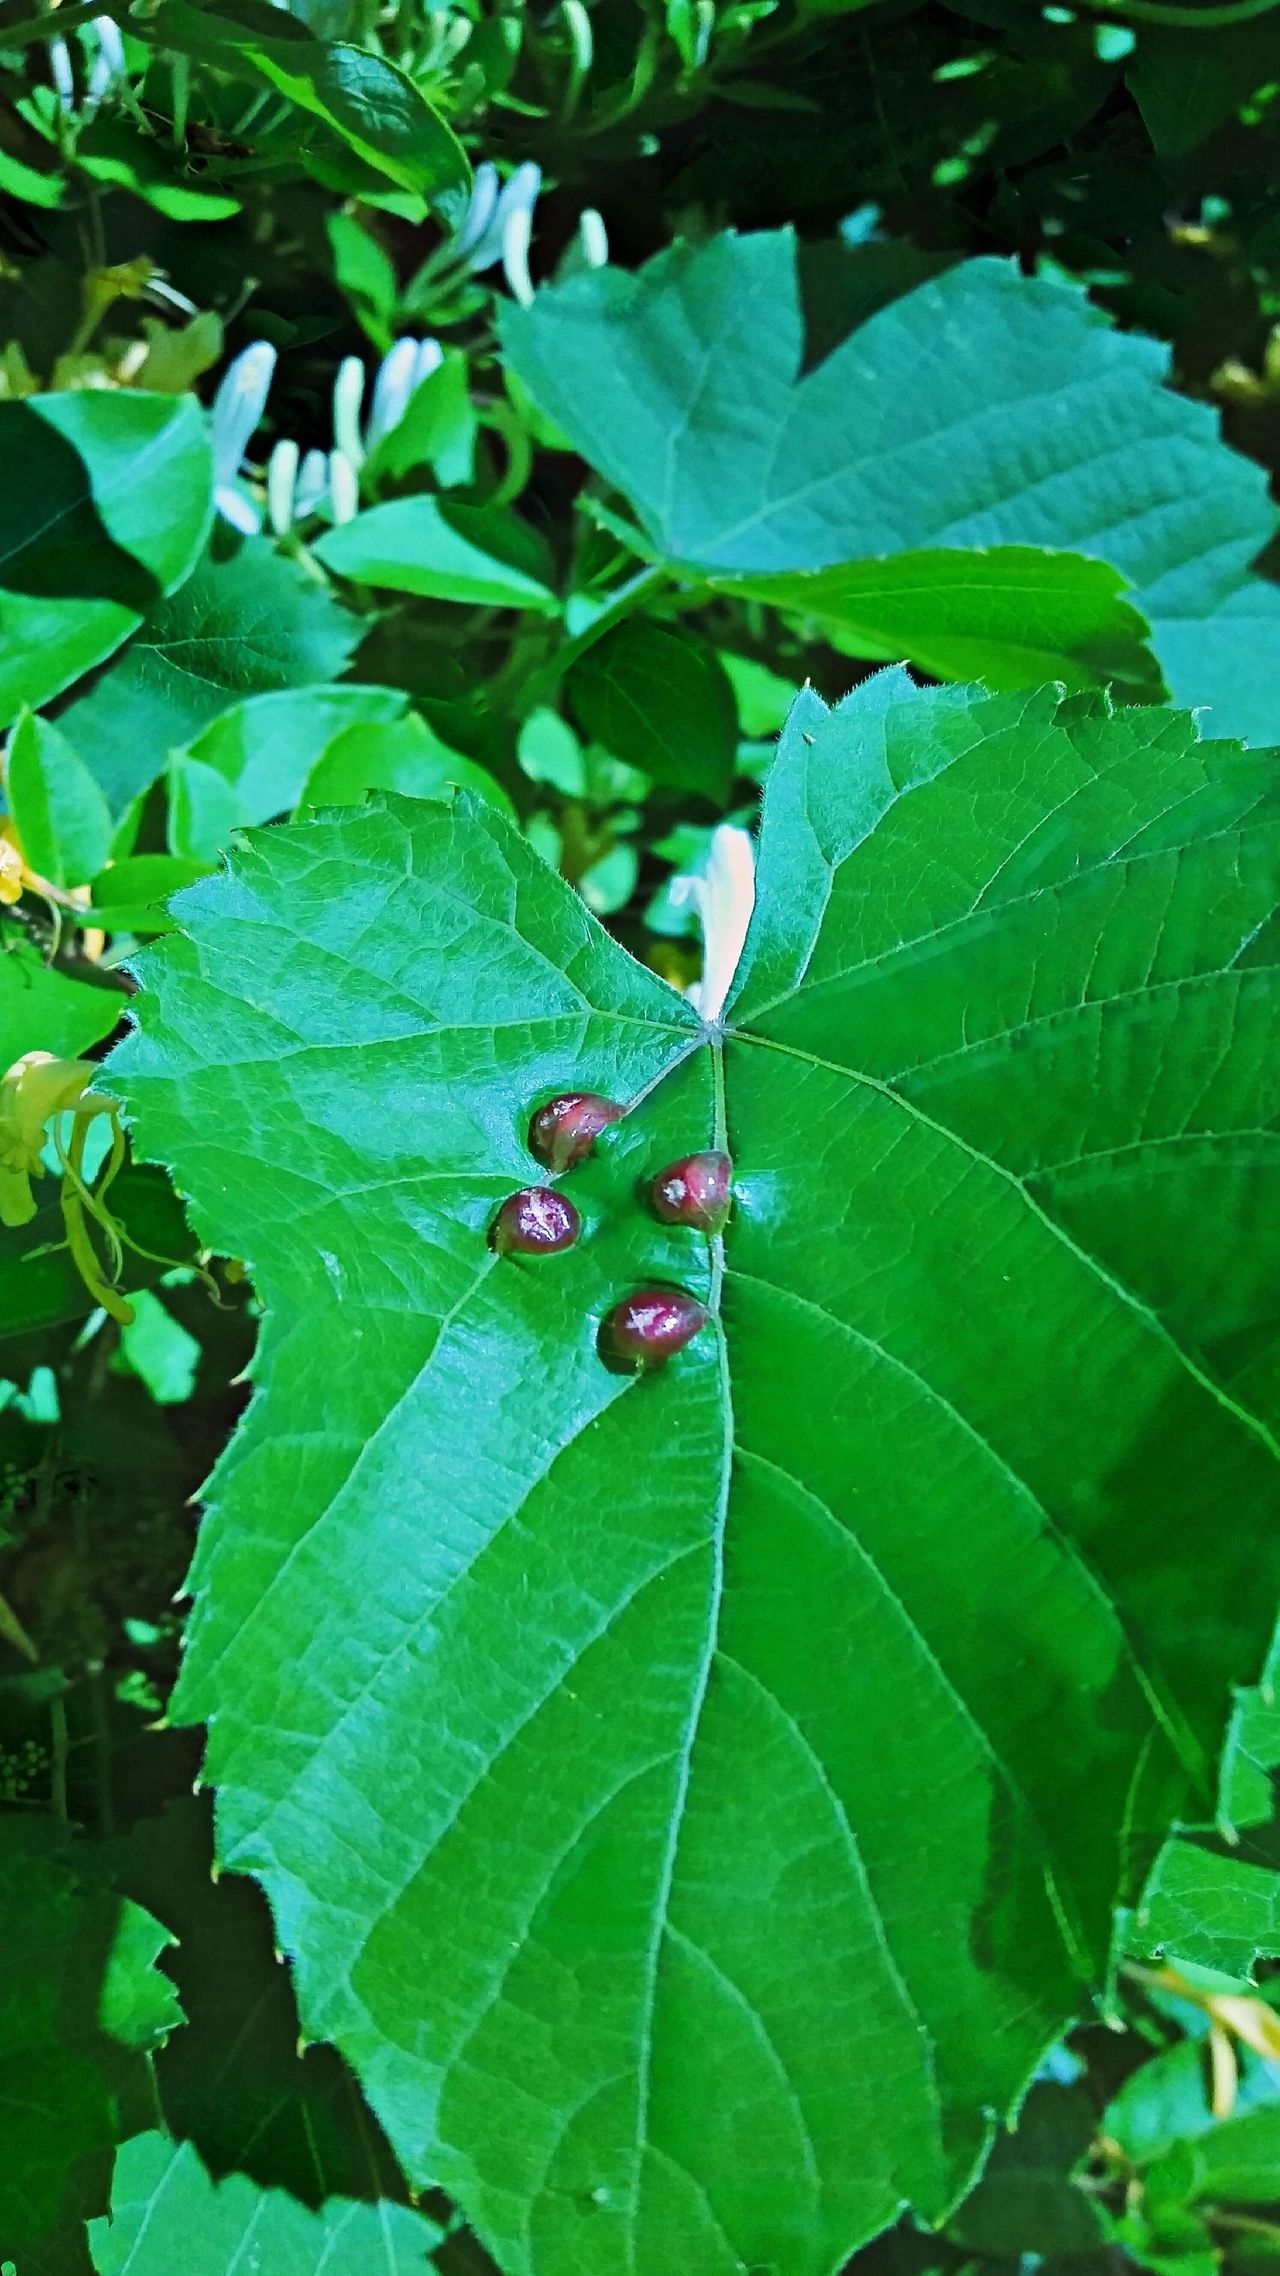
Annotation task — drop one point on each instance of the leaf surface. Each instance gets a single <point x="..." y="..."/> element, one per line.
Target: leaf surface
<point x="982" y="409"/>
<point x="377" y="109"/>
<point x="42" y="1009"/>
<point x="478" y="554"/>
<point x="1011" y="617"/>
<point x="166" y="2212"/>
<point x="239" y="627"/>
<point x="689" y="1822"/>
<point x="105" y="505"/>
<point x="660" y="699"/>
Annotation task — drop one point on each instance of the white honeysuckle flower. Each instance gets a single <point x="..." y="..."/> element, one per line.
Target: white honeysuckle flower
<point x="472" y="231"/>
<point x="234" y="419"/>
<point x="282" y="486"/>
<point x="399" y="376"/>
<point x="60" y="71"/>
<point x="348" y="396"/>
<point x="101" y="36"/>
<point x="724" y="897"/>
<point x="344" y="487"/>
<point x="487" y="226"/>
<point x="313" y="484"/>
<point x="593" y="238"/>
<point x="108" y="63"/>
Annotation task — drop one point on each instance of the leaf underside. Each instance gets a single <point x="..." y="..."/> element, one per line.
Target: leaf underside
<point x="694" y="1803"/>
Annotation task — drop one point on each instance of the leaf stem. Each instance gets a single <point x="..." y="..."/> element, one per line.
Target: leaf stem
<point x="1193" y="19"/>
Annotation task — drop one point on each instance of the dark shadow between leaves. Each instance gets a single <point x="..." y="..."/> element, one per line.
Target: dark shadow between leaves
<point x="54" y="544"/>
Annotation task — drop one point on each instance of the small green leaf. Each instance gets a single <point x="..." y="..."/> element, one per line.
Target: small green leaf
<point x="366" y="275"/>
<point x="660" y="699"/>
<point x="112" y="151"/>
<point x="479" y="554"/>
<point x="166" y="2212"/>
<point x="267" y="748"/>
<point x="203" y="810"/>
<point x="132" y="895"/>
<point x="375" y="107"/>
<point x="58" y="810"/>
<point x="106" y="499"/>
<point x="158" y="1350"/>
<point x="402" y="755"/>
<point x="240" y="626"/>
<point x="1207" y="1906"/>
<point x="1009" y="618"/>
<point x="42" y="1009"/>
<point x="438" y="430"/>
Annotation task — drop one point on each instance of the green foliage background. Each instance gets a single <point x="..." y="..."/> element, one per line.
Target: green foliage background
<point x="811" y="1807"/>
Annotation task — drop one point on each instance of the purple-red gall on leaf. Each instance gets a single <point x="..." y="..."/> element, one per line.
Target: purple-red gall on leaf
<point x="535" y="1222"/>
<point x="564" y="1130"/>
<point x="694" y="1191"/>
<point x="651" y="1326"/>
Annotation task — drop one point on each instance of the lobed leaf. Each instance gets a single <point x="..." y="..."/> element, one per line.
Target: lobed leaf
<point x="694" y="1803"/>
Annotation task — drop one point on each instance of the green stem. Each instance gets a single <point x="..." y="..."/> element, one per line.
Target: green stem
<point x="53" y="22"/>
<point x="59" y="1749"/>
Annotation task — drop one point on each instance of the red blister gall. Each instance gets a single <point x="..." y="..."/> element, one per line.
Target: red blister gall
<point x="694" y="1192"/>
<point x="564" y="1131"/>
<point x="535" y="1222"/>
<point x="649" y="1327"/>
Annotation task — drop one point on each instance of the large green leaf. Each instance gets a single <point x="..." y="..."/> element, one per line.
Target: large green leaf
<point x="240" y="626"/>
<point x="694" y="1803"/>
<point x="104" y="508"/>
<point x="982" y="409"/>
<point x="167" y="2213"/>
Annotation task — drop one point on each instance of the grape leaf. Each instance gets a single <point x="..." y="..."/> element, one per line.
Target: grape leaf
<point x="104" y="509"/>
<point x="690" y="1823"/>
<point x="982" y="409"/>
<point x="166" y="2211"/>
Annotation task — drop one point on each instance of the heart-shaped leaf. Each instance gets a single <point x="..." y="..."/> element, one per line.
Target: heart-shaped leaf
<point x="694" y="1801"/>
<point x="982" y="409"/>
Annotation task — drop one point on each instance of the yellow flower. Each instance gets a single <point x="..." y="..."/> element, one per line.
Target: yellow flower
<point x="13" y="869"/>
<point x="1232" y="2015"/>
<point x="34" y="1087"/>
